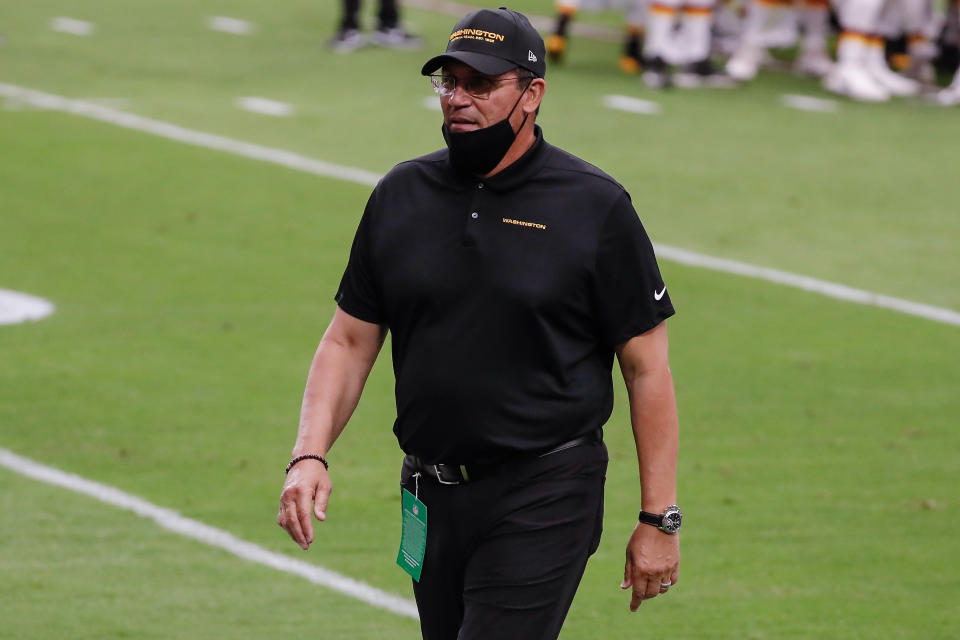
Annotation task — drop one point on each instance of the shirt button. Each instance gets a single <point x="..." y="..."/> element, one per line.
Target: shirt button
<point x="480" y="186"/>
<point x="474" y="215"/>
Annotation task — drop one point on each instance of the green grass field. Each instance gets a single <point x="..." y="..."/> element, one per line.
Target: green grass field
<point x="819" y="443"/>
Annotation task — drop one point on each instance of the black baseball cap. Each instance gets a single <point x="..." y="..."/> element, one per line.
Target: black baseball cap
<point x="493" y="41"/>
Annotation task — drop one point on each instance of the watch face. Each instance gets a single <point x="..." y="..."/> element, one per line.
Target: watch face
<point x="672" y="520"/>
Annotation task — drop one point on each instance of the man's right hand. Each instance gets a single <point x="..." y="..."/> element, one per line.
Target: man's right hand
<point x="307" y="485"/>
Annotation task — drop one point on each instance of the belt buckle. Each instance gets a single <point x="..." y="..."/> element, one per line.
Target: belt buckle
<point x="439" y="474"/>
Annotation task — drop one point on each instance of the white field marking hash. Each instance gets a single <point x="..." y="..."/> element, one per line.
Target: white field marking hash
<point x="16" y="307"/>
<point x="235" y="26"/>
<point x="432" y="103"/>
<point x="72" y="26"/>
<point x="360" y="176"/>
<point x="808" y="103"/>
<point x="265" y="106"/>
<point x="631" y="105"/>
<point x="187" y="527"/>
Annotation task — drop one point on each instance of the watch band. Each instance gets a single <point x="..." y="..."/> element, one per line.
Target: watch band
<point x="654" y="519"/>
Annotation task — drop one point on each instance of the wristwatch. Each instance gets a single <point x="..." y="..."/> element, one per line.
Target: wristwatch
<point x="669" y="521"/>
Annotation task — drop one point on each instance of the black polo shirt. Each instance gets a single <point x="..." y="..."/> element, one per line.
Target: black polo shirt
<point x="505" y="296"/>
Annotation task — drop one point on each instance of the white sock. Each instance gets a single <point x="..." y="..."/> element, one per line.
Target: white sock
<point x="695" y="32"/>
<point x="852" y="48"/>
<point x="753" y="25"/>
<point x="860" y="16"/>
<point x="636" y="13"/>
<point x="660" y="20"/>
<point x="815" y="18"/>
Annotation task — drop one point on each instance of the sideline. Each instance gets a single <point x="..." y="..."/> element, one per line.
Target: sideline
<point x="360" y="176"/>
<point x="16" y="307"/>
<point x="187" y="527"/>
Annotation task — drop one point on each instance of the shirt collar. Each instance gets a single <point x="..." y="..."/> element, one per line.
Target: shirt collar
<point x="524" y="168"/>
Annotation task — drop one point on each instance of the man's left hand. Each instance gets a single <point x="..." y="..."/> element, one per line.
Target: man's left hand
<point x="653" y="563"/>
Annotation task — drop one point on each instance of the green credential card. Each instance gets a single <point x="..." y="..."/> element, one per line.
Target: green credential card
<point x="413" y="540"/>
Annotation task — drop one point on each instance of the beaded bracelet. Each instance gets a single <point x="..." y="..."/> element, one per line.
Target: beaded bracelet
<point x="311" y="456"/>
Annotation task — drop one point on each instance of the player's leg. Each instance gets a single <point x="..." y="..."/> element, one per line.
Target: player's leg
<point x="390" y="32"/>
<point x="693" y="48"/>
<point x="348" y="37"/>
<point x="693" y="36"/>
<point x="632" y="58"/>
<point x="556" y="42"/>
<point x="522" y="576"/>
<point x="751" y="53"/>
<point x="890" y="23"/>
<point x="951" y="95"/>
<point x="728" y="19"/>
<point x="814" y="18"/>
<point x="658" y="47"/>
<point x="781" y="30"/>
<point x="851" y="76"/>
<point x="917" y="22"/>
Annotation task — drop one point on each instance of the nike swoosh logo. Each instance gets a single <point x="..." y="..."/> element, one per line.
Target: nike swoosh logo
<point x="659" y="294"/>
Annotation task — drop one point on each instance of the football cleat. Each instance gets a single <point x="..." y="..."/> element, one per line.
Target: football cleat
<point x="813" y="63"/>
<point x="396" y="38"/>
<point x="702" y="73"/>
<point x="855" y="83"/>
<point x="629" y="64"/>
<point x="556" y="47"/>
<point x="745" y="62"/>
<point x="894" y="83"/>
<point x="656" y="73"/>
<point x="347" y="40"/>
<point x="950" y="96"/>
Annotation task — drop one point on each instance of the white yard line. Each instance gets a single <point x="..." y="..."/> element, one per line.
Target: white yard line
<point x="631" y="105"/>
<point x="808" y="103"/>
<point x="187" y="527"/>
<point x="319" y="167"/>
<point x="265" y="106"/>
<point x="16" y="307"/>
<point x="72" y="26"/>
<point x="235" y="26"/>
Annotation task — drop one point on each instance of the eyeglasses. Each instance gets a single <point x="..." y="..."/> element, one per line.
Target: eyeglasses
<point x="477" y="86"/>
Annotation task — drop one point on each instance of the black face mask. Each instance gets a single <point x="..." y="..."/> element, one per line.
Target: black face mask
<point x="478" y="152"/>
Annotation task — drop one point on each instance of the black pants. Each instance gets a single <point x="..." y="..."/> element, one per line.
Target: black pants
<point x="387" y="18"/>
<point x="505" y="554"/>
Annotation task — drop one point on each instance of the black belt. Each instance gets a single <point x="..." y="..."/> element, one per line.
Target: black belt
<point x="463" y="473"/>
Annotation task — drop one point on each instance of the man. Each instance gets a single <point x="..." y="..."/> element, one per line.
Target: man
<point x="510" y="273"/>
